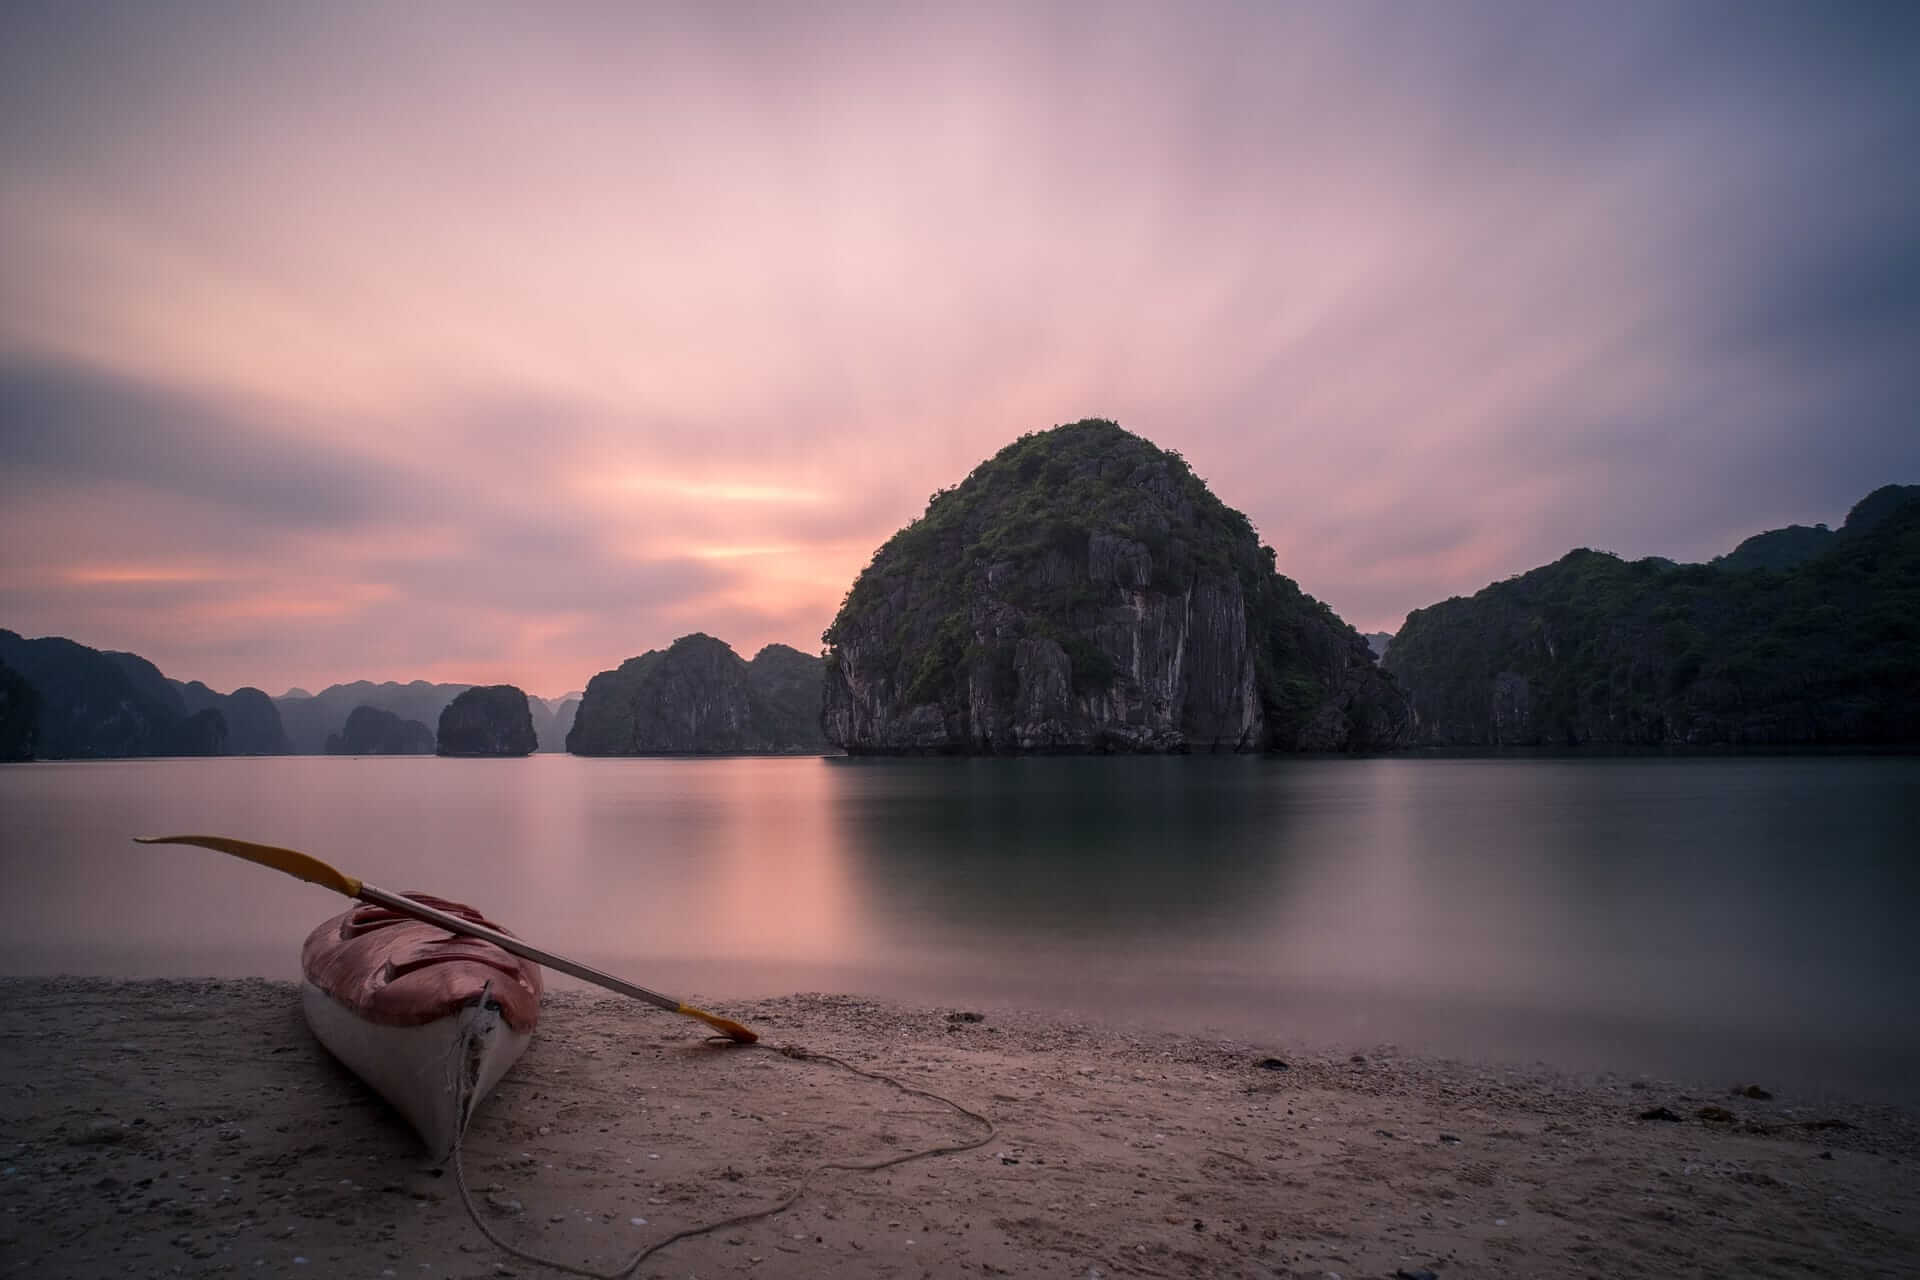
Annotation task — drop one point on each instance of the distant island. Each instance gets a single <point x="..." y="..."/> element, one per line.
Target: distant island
<point x="370" y="731"/>
<point x="1800" y="636"/>
<point x="1082" y="590"/>
<point x="699" y="697"/>
<point x="311" y="718"/>
<point x="488" y="721"/>
<point x="61" y="700"/>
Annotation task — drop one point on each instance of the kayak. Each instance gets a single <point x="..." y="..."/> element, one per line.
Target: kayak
<point x="429" y="1019"/>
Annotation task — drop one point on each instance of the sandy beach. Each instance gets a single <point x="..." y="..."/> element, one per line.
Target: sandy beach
<point x="195" y="1128"/>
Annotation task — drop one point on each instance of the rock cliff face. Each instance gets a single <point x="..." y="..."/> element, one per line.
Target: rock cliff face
<point x="369" y="731"/>
<point x="698" y="697"/>
<point x="491" y="720"/>
<point x="1083" y="591"/>
<point x="19" y="715"/>
<point x="95" y="703"/>
<point x="1594" y="650"/>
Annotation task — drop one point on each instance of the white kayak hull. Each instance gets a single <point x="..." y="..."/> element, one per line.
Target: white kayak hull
<point x="434" y="1074"/>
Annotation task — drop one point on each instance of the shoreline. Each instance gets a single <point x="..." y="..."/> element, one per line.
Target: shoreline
<point x="155" y="1125"/>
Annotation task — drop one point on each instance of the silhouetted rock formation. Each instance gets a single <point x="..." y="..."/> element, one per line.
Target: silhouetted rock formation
<point x="1377" y="641"/>
<point x="95" y="703"/>
<point x="1592" y="649"/>
<point x="369" y="731"/>
<point x="310" y="722"/>
<point x="19" y="715"/>
<point x="490" y="720"/>
<point x="253" y="722"/>
<point x="698" y="697"/>
<point x="1083" y="590"/>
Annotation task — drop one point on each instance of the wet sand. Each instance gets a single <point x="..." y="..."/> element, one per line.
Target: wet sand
<point x="195" y="1128"/>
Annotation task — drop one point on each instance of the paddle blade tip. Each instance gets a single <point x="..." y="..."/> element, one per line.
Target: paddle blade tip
<point x="725" y="1026"/>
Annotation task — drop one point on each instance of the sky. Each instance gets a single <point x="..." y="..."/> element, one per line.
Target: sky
<point x="501" y="343"/>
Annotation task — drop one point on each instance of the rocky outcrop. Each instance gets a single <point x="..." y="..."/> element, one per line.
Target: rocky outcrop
<point x="1082" y="590"/>
<point x="490" y="720"/>
<point x="698" y="697"/>
<point x="310" y="721"/>
<point x="19" y="715"/>
<point x="369" y="731"/>
<point x="253" y="722"/>
<point x="97" y="703"/>
<point x="1595" y="650"/>
<point x="1378" y="641"/>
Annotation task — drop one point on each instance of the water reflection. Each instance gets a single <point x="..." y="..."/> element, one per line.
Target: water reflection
<point x="1656" y="914"/>
<point x="1061" y="848"/>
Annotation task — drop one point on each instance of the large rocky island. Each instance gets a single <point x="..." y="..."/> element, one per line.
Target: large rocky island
<point x="1802" y="636"/>
<point x="699" y="697"/>
<point x="1083" y="590"/>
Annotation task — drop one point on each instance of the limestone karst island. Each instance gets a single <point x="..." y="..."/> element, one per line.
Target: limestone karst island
<point x="1083" y="590"/>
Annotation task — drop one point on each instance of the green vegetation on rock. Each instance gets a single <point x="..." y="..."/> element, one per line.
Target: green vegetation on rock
<point x="1083" y="590"/>
<point x="1593" y="649"/>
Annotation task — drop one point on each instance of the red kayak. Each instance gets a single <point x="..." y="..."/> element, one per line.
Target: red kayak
<point x="430" y="1019"/>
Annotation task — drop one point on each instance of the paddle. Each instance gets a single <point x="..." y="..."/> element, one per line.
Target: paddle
<point x="311" y="869"/>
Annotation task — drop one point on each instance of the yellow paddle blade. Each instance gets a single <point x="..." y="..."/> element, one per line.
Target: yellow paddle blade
<point x="725" y="1026"/>
<point x="292" y="861"/>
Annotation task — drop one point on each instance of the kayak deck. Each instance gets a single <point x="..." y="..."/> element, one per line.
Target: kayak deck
<point x="429" y="1020"/>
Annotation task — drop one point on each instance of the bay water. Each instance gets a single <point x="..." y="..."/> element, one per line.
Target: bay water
<point x="1725" y="919"/>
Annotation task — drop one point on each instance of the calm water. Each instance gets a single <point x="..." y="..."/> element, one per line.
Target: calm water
<point x="1717" y="919"/>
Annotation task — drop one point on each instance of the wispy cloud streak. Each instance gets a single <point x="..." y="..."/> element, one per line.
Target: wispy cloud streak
<point x="521" y="340"/>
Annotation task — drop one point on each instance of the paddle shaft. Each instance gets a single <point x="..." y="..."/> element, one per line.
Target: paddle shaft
<point x="507" y="942"/>
<point x="309" y="868"/>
